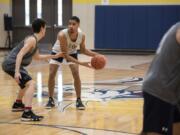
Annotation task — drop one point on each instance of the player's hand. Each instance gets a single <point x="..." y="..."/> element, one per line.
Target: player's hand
<point x="86" y="64"/>
<point x="58" y="55"/>
<point x="17" y="77"/>
<point x="100" y="55"/>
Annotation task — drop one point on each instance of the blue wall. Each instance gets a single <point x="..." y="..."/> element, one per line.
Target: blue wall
<point x="133" y="27"/>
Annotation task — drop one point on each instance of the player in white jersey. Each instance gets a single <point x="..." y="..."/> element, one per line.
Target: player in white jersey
<point x="68" y="40"/>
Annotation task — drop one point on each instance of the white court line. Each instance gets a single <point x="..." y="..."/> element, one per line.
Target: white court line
<point x="39" y="86"/>
<point x="60" y="85"/>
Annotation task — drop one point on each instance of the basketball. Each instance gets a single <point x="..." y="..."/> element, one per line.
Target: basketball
<point x="98" y="62"/>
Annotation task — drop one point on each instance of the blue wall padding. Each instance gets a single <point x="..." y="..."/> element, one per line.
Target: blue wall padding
<point x="133" y="27"/>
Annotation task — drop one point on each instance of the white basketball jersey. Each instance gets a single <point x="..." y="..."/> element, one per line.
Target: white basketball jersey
<point x="72" y="46"/>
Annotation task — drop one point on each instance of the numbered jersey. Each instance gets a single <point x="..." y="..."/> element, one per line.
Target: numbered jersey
<point x="71" y="46"/>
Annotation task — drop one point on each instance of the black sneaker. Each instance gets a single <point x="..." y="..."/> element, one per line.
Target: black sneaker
<point x="50" y="103"/>
<point x="30" y="116"/>
<point x="79" y="105"/>
<point x="17" y="107"/>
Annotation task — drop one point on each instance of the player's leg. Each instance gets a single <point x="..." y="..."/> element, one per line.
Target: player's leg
<point x="28" y="96"/>
<point x="51" y="84"/>
<point x="77" y="84"/>
<point x="51" y="81"/>
<point x="27" y="83"/>
<point x="20" y="94"/>
<point x="157" y="116"/>
<point x="53" y="67"/>
<point x="28" y="114"/>
<point x="18" y="104"/>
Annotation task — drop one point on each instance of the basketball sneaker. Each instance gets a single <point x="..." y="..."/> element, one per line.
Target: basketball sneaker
<point x="18" y="106"/>
<point x="50" y="103"/>
<point x="79" y="104"/>
<point x="30" y="116"/>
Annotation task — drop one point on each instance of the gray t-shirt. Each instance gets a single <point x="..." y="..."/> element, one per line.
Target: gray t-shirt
<point x="163" y="77"/>
<point x="10" y="61"/>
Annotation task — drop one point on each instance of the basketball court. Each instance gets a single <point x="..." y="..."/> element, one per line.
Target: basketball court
<point x="127" y="33"/>
<point x="112" y="97"/>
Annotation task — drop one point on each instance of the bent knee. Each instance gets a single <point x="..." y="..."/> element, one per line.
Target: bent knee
<point x="31" y="83"/>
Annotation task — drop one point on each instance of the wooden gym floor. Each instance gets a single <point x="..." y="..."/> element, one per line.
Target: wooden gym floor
<point x="112" y="97"/>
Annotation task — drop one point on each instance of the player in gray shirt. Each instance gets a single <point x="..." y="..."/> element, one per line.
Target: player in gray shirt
<point x="15" y="62"/>
<point x="161" y="87"/>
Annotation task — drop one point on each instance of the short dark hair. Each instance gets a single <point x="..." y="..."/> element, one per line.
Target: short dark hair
<point x="37" y="24"/>
<point x="75" y="18"/>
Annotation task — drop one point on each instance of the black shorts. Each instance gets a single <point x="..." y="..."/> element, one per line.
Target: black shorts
<point x="158" y="115"/>
<point x="25" y="77"/>
<point x="60" y="59"/>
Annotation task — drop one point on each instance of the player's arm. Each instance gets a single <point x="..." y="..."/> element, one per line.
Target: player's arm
<point x="28" y="45"/>
<point x="178" y="36"/>
<point x="39" y="56"/>
<point x="86" y="51"/>
<point x="63" y="44"/>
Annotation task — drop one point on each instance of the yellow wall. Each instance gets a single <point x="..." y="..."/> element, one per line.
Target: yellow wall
<point x="4" y="1"/>
<point x="111" y="2"/>
<point x="87" y="1"/>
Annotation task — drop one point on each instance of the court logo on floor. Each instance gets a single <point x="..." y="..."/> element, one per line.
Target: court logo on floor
<point x="102" y="90"/>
